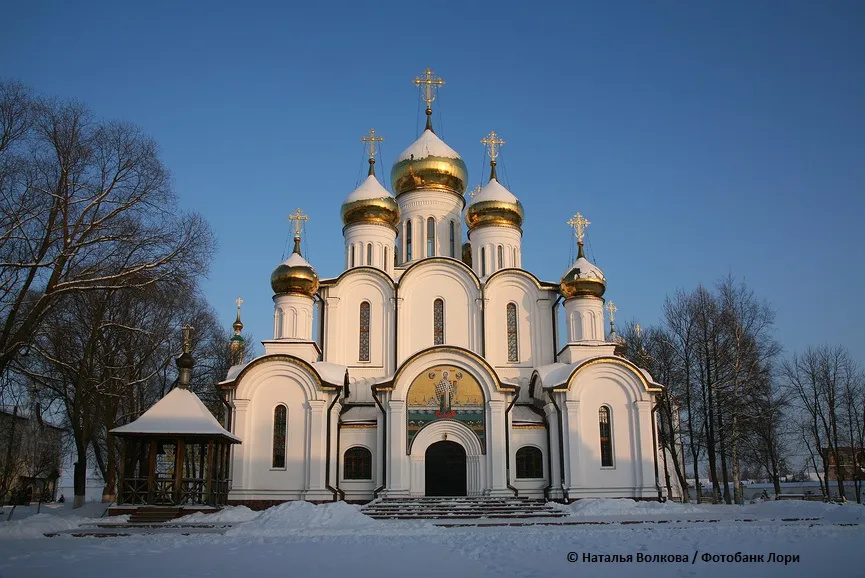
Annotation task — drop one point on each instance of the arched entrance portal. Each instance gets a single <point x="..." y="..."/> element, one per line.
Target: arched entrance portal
<point x="445" y="469"/>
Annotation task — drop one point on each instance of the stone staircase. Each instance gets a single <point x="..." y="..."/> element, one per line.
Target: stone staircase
<point x="459" y="508"/>
<point x="155" y="514"/>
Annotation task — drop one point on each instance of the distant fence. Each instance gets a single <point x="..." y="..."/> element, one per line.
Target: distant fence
<point x="789" y="491"/>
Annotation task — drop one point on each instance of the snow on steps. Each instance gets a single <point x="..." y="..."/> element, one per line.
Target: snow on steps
<point x="459" y="508"/>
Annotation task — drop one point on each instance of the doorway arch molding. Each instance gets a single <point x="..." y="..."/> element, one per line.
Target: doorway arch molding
<point x="453" y="431"/>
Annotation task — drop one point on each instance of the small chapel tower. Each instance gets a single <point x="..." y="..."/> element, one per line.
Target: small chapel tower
<point x="429" y="179"/>
<point x="236" y="343"/>
<point x="294" y="283"/>
<point x="494" y="218"/>
<point x="370" y="215"/>
<point x="583" y="287"/>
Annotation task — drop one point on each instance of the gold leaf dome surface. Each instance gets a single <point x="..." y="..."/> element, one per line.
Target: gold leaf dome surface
<point x="429" y="164"/>
<point x="583" y="279"/>
<point x="294" y="276"/>
<point x="494" y="205"/>
<point x="370" y="203"/>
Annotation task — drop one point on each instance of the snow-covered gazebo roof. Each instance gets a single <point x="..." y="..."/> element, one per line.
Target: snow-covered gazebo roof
<point x="180" y="413"/>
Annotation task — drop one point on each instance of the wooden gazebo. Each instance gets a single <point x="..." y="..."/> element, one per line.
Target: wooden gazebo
<point x="176" y="453"/>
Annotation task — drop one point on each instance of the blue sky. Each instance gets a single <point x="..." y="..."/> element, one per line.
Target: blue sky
<point x="699" y="138"/>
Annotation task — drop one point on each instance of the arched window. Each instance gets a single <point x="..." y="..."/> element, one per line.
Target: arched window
<point x="363" y="353"/>
<point x="351" y="258"/>
<point x="483" y="262"/>
<point x="438" y="322"/>
<point x="500" y="253"/>
<point x="357" y="464"/>
<point x="279" y="423"/>
<point x="606" y="437"/>
<point x="430" y="237"/>
<point x="369" y="254"/>
<point x="530" y="462"/>
<point x="453" y="239"/>
<point x="408" y="241"/>
<point x="385" y="265"/>
<point x="513" y="349"/>
<point x="280" y="323"/>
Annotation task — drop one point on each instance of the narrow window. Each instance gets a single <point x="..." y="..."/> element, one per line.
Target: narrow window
<point x="369" y="254"/>
<point x="606" y="437"/>
<point x="483" y="262"/>
<point x="438" y="322"/>
<point x="280" y="323"/>
<point x="408" y="241"/>
<point x="453" y="239"/>
<point x="430" y="237"/>
<point x="351" y="259"/>
<point x="363" y="353"/>
<point x="385" y="264"/>
<point x="279" y="419"/>
<point x="530" y="462"/>
<point x="514" y="263"/>
<point x="513" y="353"/>
<point x="500" y="253"/>
<point x="357" y="464"/>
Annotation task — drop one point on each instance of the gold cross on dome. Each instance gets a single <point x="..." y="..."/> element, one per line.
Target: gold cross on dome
<point x="298" y="219"/>
<point x="493" y="143"/>
<point x="611" y="309"/>
<point x="428" y="83"/>
<point x="579" y="223"/>
<point x="371" y="139"/>
<point x="187" y="336"/>
<point x="475" y="191"/>
<point x="239" y="302"/>
<point x="638" y="330"/>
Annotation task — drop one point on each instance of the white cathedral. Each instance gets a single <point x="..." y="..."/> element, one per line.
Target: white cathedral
<point x="436" y="368"/>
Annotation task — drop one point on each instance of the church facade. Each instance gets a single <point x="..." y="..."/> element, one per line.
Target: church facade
<point x="436" y="367"/>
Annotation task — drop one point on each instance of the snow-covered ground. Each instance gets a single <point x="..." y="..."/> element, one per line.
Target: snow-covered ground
<point x="299" y="539"/>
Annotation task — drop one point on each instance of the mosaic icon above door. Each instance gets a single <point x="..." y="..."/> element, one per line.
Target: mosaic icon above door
<point x="445" y="392"/>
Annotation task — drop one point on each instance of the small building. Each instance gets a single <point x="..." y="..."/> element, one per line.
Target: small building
<point x="29" y="456"/>
<point x="175" y="454"/>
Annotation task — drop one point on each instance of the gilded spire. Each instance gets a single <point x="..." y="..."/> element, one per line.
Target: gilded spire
<point x="611" y="309"/>
<point x="579" y="224"/>
<point x="638" y="330"/>
<point x="428" y="84"/>
<point x="371" y="139"/>
<point x="493" y="144"/>
<point x="238" y="324"/>
<point x="298" y="218"/>
<point x="187" y="337"/>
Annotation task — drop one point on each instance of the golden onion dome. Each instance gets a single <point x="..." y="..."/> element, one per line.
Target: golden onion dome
<point x="294" y="276"/>
<point x="494" y="205"/>
<point x="429" y="164"/>
<point x="583" y="279"/>
<point x="370" y="203"/>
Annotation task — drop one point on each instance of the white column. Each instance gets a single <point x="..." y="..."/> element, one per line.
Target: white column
<point x="645" y="474"/>
<point x="315" y="415"/>
<point x="397" y="479"/>
<point x="242" y="451"/>
<point x="575" y="473"/>
<point x="496" y="448"/>
<point x="553" y="452"/>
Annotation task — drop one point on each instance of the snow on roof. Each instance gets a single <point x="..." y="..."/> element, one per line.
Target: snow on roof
<point x="554" y="373"/>
<point x="587" y="269"/>
<point x="428" y="145"/>
<point x="295" y="260"/>
<point x="525" y="414"/>
<point x="179" y="412"/>
<point x="332" y="373"/>
<point x="369" y="189"/>
<point x="494" y="191"/>
<point x="360" y="414"/>
<point x="234" y="371"/>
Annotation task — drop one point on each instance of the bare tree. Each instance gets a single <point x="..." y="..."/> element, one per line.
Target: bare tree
<point x="85" y="205"/>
